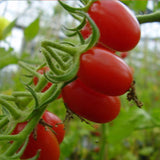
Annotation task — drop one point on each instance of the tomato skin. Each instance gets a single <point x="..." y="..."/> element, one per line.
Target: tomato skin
<point x="57" y="124"/>
<point x="105" y="72"/>
<point x="119" y="28"/>
<point x="35" y="79"/>
<point x="90" y="104"/>
<point x="46" y="142"/>
<point x="124" y="54"/>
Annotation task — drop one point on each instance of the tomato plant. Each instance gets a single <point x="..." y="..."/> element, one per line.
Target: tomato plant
<point x="57" y="124"/>
<point x="90" y="104"/>
<point x="105" y="72"/>
<point x="45" y="141"/>
<point x="102" y="77"/>
<point x="119" y="28"/>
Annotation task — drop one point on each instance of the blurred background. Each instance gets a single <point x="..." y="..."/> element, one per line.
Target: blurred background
<point x="135" y="134"/>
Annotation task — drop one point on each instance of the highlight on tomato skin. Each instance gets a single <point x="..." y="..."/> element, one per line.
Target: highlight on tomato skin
<point x="46" y="142"/>
<point x="89" y="104"/>
<point x="104" y="72"/>
<point x="119" y="28"/>
<point x="58" y="126"/>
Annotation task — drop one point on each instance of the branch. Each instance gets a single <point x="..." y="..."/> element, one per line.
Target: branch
<point x="147" y="18"/>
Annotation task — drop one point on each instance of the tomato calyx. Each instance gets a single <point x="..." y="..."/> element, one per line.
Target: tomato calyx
<point x="46" y="125"/>
<point x="70" y="115"/>
<point x="133" y="96"/>
<point x="35" y="133"/>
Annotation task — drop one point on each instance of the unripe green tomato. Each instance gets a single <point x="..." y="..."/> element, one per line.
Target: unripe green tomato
<point x="3" y="24"/>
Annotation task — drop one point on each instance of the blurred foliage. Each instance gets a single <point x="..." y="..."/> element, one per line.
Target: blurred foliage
<point x="136" y="5"/>
<point x="32" y="30"/>
<point x="134" y="135"/>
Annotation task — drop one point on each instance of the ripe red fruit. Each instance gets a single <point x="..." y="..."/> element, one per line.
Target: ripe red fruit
<point x="104" y="72"/>
<point x="119" y="28"/>
<point x="46" y="141"/>
<point x="90" y="104"/>
<point x="57" y="124"/>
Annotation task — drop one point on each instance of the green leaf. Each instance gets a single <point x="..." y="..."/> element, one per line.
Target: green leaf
<point x="32" y="30"/>
<point x="8" y="29"/>
<point x="7" y="57"/>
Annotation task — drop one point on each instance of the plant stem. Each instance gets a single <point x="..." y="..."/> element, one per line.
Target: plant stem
<point x="3" y="122"/>
<point x="148" y="18"/>
<point x="7" y="97"/>
<point x="103" y="142"/>
<point x="21" y="94"/>
<point x="29" y="69"/>
<point x="68" y="49"/>
<point x="12" y="109"/>
<point x="9" y="137"/>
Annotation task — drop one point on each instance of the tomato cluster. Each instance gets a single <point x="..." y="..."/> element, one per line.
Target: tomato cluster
<point x="47" y="139"/>
<point x="103" y="76"/>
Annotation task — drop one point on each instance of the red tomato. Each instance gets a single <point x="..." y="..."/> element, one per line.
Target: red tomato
<point x="105" y="72"/>
<point x="90" y="104"/>
<point x="46" y="142"/>
<point x="35" y="79"/>
<point x="57" y="124"/>
<point x="124" y="54"/>
<point x="119" y="28"/>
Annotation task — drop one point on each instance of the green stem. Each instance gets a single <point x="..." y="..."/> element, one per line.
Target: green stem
<point x="3" y="122"/>
<point x="103" y="142"/>
<point x="9" y="137"/>
<point x="51" y="94"/>
<point x="86" y="8"/>
<point x="41" y="83"/>
<point x="68" y="49"/>
<point x="148" y="18"/>
<point x="95" y="33"/>
<point x="28" y="68"/>
<point x="56" y="57"/>
<point x="7" y="97"/>
<point x="50" y="61"/>
<point x="12" y="109"/>
<point x="21" y="94"/>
